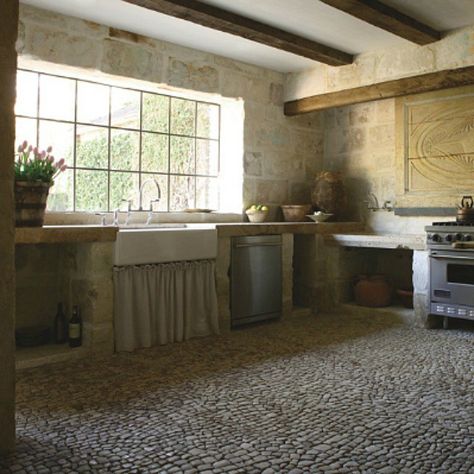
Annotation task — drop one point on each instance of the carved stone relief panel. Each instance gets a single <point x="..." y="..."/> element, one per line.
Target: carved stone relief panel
<point x="435" y="148"/>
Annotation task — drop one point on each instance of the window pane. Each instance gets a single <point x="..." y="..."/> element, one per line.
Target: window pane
<point x="150" y="192"/>
<point x="91" y="190"/>
<point x="154" y="152"/>
<point x="92" y="103"/>
<point x="61" y="194"/>
<point x="60" y="136"/>
<point x="124" y="150"/>
<point x="182" y="190"/>
<point x="207" y="193"/>
<point x="125" y="108"/>
<point x="92" y="147"/>
<point x="207" y="121"/>
<point x="26" y="93"/>
<point x="25" y="130"/>
<point x="57" y="98"/>
<point x="123" y="186"/>
<point x="183" y="115"/>
<point x="182" y="155"/>
<point x="155" y="112"/>
<point x="207" y="157"/>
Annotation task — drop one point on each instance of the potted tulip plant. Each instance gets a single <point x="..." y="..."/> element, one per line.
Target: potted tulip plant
<point x="34" y="174"/>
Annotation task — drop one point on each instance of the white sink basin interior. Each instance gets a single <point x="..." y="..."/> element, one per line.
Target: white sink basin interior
<point x="158" y="243"/>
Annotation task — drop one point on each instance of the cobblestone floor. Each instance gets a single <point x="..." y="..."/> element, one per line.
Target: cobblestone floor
<point x="340" y="394"/>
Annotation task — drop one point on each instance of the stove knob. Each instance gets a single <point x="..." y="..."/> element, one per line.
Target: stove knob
<point x="467" y="237"/>
<point x="449" y="238"/>
<point x="458" y="237"/>
<point x="436" y="238"/>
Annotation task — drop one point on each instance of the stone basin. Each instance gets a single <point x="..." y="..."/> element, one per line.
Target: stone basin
<point x="159" y="243"/>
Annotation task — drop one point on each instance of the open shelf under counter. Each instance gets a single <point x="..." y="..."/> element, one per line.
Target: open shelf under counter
<point x="401" y="313"/>
<point x="59" y="234"/>
<point x="28" y="357"/>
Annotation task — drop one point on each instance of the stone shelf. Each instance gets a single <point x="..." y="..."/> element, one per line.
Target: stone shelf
<point x="27" y="357"/>
<point x="382" y="241"/>
<point x="65" y="234"/>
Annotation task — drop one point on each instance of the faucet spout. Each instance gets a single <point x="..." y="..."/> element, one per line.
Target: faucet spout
<point x="140" y="197"/>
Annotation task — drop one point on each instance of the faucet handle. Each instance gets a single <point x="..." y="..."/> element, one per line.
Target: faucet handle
<point x="103" y="216"/>
<point x="152" y="201"/>
<point x="129" y="204"/>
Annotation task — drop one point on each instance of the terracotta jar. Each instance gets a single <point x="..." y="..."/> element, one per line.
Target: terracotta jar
<point x="30" y="203"/>
<point x="372" y="291"/>
<point x="328" y="193"/>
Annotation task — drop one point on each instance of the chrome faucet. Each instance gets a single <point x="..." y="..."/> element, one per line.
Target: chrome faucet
<point x="157" y="199"/>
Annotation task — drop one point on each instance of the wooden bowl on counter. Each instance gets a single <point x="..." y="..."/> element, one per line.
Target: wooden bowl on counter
<point x="295" y="212"/>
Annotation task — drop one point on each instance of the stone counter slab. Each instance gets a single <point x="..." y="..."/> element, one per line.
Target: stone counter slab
<point x="382" y="241"/>
<point x="64" y="234"/>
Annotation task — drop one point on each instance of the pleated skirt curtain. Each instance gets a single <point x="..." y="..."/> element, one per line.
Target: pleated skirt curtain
<point x="163" y="303"/>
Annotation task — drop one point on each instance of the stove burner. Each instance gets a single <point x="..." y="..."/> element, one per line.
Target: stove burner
<point x="454" y="224"/>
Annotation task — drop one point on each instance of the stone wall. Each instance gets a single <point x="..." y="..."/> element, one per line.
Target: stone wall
<point x="455" y="50"/>
<point x="279" y="153"/>
<point x="8" y="34"/>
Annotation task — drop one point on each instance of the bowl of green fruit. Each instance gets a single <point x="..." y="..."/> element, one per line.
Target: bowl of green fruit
<point x="257" y="213"/>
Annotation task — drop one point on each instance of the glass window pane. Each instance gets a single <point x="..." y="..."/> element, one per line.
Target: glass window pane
<point x="154" y="152"/>
<point x="91" y="190"/>
<point x="183" y="116"/>
<point x="149" y="191"/>
<point x="25" y="130"/>
<point x="155" y="114"/>
<point x="207" y="157"/>
<point x="26" y="93"/>
<point x="57" y="96"/>
<point x="182" y="189"/>
<point x="182" y="155"/>
<point x="124" y="150"/>
<point x="123" y="186"/>
<point x="125" y="108"/>
<point x="61" y="194"/>
<point x="92" y="147"/>
<point x="206" y="193"/>
<point x="60" y="136"/>
<point x="92" y="103"/>
<point x="207" y="120"/>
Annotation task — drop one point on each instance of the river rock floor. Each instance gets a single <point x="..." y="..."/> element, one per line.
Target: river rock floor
<point x="335" y="393"/>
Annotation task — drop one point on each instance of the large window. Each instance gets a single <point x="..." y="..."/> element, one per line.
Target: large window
<point x="117" y="141"/>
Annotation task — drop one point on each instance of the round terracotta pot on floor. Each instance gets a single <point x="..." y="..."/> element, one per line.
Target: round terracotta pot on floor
<point x="30" y="203"/>
<point x="372" y="291"/>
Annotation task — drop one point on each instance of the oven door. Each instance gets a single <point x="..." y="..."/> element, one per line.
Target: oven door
<point x="452" y="277"/>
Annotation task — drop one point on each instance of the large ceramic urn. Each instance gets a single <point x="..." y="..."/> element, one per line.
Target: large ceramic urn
<point x="328" y="193"/>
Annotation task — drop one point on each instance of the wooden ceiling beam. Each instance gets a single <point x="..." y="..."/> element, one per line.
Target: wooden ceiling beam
<point x="387" y="18"/>
<point x="383" y="90"/>
<point x="228" y="22"/>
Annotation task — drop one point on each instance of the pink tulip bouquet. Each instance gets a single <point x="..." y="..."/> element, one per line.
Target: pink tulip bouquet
<point x="33" y="165"/>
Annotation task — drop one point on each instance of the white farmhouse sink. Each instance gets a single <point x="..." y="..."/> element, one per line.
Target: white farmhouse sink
<point x="165" y="243"/>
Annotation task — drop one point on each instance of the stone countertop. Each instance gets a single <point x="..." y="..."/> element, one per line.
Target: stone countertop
<point x="65" y="234"/>
<point x="247" y="228"/>
<point x="382" y="241"/>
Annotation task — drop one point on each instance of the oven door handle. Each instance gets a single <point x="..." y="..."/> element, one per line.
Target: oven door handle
<point x="452" y="257"/>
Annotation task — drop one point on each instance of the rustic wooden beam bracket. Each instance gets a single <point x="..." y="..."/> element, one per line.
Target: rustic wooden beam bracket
<point x="387" y="18"/>
<point x="432" y="81"/>
<point x="228" y="22"/>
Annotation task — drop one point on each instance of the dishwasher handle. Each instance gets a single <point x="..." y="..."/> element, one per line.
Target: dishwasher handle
<point x="260" y="244"/>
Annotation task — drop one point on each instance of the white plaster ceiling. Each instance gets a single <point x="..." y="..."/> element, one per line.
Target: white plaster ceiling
<point x="308" y="18"/>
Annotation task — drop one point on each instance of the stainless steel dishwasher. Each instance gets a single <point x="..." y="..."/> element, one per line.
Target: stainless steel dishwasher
<point x="255" y="279"/>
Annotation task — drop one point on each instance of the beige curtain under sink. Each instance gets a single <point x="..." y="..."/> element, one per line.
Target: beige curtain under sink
<point x="163" y="303"/>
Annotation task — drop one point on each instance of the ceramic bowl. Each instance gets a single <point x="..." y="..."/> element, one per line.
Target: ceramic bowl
<point x="256" y="216"/>
<point x="319" y="216"/>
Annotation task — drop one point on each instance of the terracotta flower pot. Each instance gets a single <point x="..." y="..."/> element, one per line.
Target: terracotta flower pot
<point x="30" y="203"/>
<point x="372" y="291"/>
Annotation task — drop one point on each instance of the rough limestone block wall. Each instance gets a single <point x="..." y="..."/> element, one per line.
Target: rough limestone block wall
<point x="421" y="288"/>
<point x="455" y="50"/>
<point x="280" y="154"/>
<point x="8" y="35"/>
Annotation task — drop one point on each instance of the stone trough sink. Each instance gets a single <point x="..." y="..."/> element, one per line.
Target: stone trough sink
<point x="142" y="244"/>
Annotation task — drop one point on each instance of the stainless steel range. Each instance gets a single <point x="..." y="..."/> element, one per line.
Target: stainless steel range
<point x="451" y="246"/>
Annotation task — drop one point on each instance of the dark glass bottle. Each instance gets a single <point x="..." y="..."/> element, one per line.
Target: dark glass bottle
<point x="75" y="328"/>
<point x="60" y="326"/>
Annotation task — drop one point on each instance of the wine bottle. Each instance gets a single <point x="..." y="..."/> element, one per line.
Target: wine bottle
<point x="75" y="328"/>
<point x="60" y="325"/>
